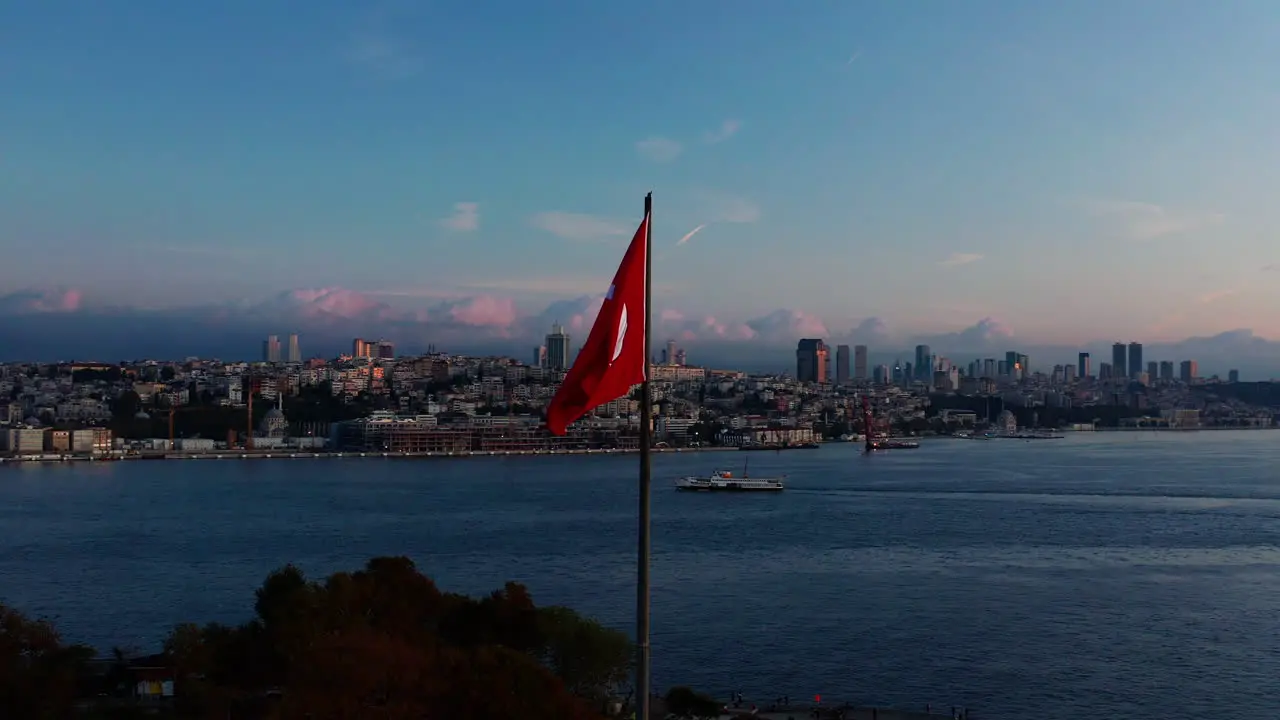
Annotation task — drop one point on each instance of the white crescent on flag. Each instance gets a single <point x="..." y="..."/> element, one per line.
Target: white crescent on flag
<point x="622" y="334"/>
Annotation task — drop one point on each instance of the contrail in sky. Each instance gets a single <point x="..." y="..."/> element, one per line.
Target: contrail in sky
<point x="692" y="232"/>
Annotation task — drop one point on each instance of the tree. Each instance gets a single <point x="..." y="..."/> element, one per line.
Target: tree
<point x="126" y="405"/>
<point x="39" y="676"/>
<point x="383" y="642"/>
<point x="684" y="702"/>
<point x="593" y="661"/>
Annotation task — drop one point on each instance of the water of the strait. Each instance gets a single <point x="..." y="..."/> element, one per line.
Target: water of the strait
<point x="1117" y="575"/>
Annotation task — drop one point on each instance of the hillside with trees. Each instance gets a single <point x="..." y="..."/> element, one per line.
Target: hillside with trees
<point x="382" y="643"/>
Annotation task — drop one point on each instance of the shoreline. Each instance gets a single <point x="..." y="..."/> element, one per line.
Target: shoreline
<point x="286" y="454"/>
<point x="1178" y="429"/>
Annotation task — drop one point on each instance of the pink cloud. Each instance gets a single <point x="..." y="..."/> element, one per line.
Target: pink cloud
<point x="675" y="323"/>
<point x="335" y="301"/>
<point x="42" y="301"/>
<point x="481" y="311"/>
<point x="786" y="325"/>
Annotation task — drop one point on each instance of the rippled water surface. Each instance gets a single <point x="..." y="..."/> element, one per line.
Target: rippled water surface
<point x="1101" y="576"/>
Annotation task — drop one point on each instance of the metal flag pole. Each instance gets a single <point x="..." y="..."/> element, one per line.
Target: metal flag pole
<point x="646" y="425"/>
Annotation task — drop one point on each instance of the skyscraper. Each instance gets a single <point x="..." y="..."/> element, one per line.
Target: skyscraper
<point x="558" y="348"/>
<point x="540" y="356"/>
<point x="1084" y="370"/>
<point x="295" y="350"/>
<point x="811" y="360"/>
<point x="1119" y="361"/>
<point x="1190" y="370"/>
<point x="669" y="355"/>
<point x="386" y="350"/>
<point x="860" y="362"/>
<point x="1135" y="359"/>
<point x="842" y="364"/>
<point x="923" y="364"/>
<point x="271" y="348"/>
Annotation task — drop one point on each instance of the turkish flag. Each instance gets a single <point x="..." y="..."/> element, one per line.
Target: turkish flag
<point x="612" y="360"/>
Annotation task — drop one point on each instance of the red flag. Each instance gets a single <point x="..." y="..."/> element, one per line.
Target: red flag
<point x="612" y="359"/>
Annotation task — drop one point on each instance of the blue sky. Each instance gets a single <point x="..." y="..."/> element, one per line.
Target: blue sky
<point x="1074" y="171"/>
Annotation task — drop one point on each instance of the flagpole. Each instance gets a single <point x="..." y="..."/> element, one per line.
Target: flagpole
<point x="646" y="429"/>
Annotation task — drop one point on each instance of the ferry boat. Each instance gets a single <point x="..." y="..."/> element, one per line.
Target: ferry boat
<point x="891" y="444"/>
<point x="724" y="481"/>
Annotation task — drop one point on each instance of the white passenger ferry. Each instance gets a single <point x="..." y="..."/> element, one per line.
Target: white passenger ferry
<point x="724" y="481"/>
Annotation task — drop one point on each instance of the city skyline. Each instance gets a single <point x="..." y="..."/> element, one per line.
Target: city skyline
<point x="846" y="162"/>
<point x="53" y="327"/>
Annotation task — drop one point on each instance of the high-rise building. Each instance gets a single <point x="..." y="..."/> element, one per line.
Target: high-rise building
<point x="271" y="348"/>
<point x="1190" y="370"/>
<point x="386" y="350"/>
<point x="923" y="364"/>
<point x="811" y="360"/>
<point x="361" y="348"/>
<point x="1135" y="359"/>
<point x="1166" y="369"/>
<point x="682" y="358"/>
<point x="860" y="362"/>
<point x="540" y="356"/>
<point x="1233" y="376"/>
<point x="669" y="354"/>
<point x="1153" y="370"/>
<point x="1105" y="371"/>
<point x="842" y="364"/>
<point x="883" y="375"/>
<point x="295" y="350"/>
<point x="1084" y="370"/>
<point x="1119" y="361"/>
<point x="558" y="348"/>
<point x="1010" y="364"/>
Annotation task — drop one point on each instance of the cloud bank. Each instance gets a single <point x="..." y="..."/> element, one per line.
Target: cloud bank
<point x="65" y="324"/>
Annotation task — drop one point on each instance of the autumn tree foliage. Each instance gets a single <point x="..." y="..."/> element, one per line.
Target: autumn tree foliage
<point x="384" y="643"/>
<point x="39" y="676"/>
<point x="381" y="643"/>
